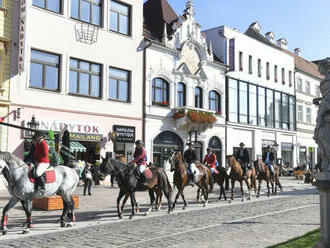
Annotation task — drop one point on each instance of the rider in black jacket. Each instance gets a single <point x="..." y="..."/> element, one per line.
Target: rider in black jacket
<point x="190" y="157"/>
<point x="243" y="156"/>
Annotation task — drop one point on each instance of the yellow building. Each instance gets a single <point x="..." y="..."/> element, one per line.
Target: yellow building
<point x="6" y="11"/>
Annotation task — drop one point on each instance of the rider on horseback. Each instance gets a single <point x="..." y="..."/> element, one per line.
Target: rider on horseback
<point x="268" y="159"/>
<point x="211" y="160"/>
<point x="243" y="156"/>
<point x="140" y="160"/>
<point x="40" y="154"/>
<point x="190" y="157"/>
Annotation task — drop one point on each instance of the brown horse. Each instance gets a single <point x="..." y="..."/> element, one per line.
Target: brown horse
<point x="263" y="173"/>
<point x="236" y="174"/>
<point x="205" y="183"/>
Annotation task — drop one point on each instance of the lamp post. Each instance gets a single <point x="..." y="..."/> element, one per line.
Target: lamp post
<point x="33" y="124"/>
<point x="322" y="138"/>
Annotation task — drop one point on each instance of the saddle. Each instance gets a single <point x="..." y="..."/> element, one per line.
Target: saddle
<point x="147" y="172"/>
<point x="49" y="175"/>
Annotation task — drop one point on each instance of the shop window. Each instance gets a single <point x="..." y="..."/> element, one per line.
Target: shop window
<point x="261" y="107"/>
<point x="44" y="70"/>
<point x="198" y="97"/>
<point x="85" y="78"/>
<point x="292" y="112"/>
<point x="278" y="109"/>
<point x="89" y="11"/>
<point x="243" y="102"/>
<point x="181" y="94"/>
<point x="214" y="101"/>
<point x="270" y="108"/>
<point x="233" y="100"/>
<point x="51" y="5"/>
<point x="119" y="84"/>
<point x="285" y="111"/>
<point x="160" y="92"/>
<point x="253" y="104"/>
<point x="120" y="18"/>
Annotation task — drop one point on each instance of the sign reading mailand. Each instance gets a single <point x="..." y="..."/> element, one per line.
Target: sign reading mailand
<point x="125" y="134"/>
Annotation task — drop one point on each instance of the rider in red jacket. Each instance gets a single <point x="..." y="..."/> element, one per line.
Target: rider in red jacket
<point x="40" y="154"/>
<point x="211" y="160"/>
<point x="140" y="160"/>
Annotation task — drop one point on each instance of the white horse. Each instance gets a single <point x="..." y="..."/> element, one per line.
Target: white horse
<point x="22" y="189"/>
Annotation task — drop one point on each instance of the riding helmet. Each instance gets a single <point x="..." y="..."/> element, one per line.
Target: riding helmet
<point x="139" y="142"/>
<point x="241" y="144"/>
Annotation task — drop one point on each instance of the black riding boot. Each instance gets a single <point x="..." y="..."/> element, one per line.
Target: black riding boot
<point x="192" y="179"/>
<point x="41" y="183"/>
<point x="143" y="180"/>
<point x="244" y="172"/>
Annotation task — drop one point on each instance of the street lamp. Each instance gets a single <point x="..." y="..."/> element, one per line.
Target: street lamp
<point x="33" y="124"/>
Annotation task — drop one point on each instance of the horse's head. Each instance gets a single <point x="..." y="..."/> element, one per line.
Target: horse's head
<point x="105" y="168"/>
<point x="3" y="165"/>
<point x="175" y="159"/>
<point x="258" y="165"/>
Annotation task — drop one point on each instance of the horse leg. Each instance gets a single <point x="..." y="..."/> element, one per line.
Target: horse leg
<point x="137" y="206"/>
<point x="27" y="206"/>
<point x="249" y="185"/>
<point x="259" y="187"/>
<point x="184" y="200"/>
<point x="152" y="201"/>
<point x="133" y="203"/>
<point x="242" y="190"/>
<point x="232" y="190"/>
<point x="124" y="202"/>
<point x="120" y="195"/>
<point x="176" y="198"/>
<point x="272" y="183"/>
<point x="159" y="200"/>
<point x="72" y="215"/>
<point x="198" y="194"/>
<point x="168" y="194"/>
<point x="268" y="187"/>
<point x="5" y="211"/>
<point x="206" y="196"/>
<point x="67" y="207"/>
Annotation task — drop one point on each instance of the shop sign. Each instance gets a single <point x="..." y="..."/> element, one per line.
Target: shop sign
<point x="302" y="149"/>
<point x="21" y="37"/>
<point x="86" y="137"/>
<point x="266" y="143"/>
<point x="285" y="146"/>
<point x="125" y="134"/>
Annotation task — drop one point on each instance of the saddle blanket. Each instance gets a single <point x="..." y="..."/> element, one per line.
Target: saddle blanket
<point x="195" y="171"/>
<point x="50" y="176"/>
<point x="147" y="173"/>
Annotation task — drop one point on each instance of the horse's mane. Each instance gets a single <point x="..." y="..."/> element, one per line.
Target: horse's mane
<point x="117" y="162"/>
<point x="6" y="156"/>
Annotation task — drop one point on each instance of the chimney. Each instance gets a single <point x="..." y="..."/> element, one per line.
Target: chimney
<point x="255" y="26"/>
<point x="297" y="51"/>
<point x="282" y="43"/>
<point x="270" y="36"/>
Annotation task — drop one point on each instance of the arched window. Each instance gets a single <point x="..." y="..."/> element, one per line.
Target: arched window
<point x="181" y="94"/>
<point x="214" y="101"/>
<point x="160" y="92"/>
<point x="198" y="97"/>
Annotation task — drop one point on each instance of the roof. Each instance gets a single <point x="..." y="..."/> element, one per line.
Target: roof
<point x="156" y="13"/>
<point x="251" y="32"/>
<point x="307" y="66"/>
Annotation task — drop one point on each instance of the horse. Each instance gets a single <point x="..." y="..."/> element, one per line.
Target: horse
<point x="205" y="182"/>
<point x="263" y="173"/>
<point x="236" y="174"/>
<point x="22" y="189"/>
<point x="128" y="183"/>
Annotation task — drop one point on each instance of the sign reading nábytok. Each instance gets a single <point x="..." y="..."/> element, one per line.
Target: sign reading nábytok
<point x="21" y="37"/>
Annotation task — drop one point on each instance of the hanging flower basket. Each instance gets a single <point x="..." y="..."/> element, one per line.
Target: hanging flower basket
<point x="201" y="117"/>
<point x="194" y="120"/>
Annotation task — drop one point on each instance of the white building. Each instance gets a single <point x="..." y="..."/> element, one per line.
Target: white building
<point x="62" y="80"/>
<point x="184" y="81"/>
<point x="308" y="79"/>
<point x="260" y="91"/>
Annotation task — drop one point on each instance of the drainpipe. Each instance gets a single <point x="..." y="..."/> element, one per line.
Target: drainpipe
<point x="144" y="88"/>
<point x="295" y="93"/>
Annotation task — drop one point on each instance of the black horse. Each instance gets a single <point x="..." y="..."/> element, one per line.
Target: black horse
<point x="128" y="183"/>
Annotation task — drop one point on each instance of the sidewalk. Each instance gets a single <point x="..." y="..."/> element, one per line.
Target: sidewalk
<point x="101" y="207"/>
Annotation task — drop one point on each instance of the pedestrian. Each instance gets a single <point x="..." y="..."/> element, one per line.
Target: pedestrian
<point x="310" y="165"/>
<point x="87" y="178"/>
<point x="268" y="159"/>
<point x="210" y="160"/>
<point x="243" y="156"/>
<point x="190" y="158"/>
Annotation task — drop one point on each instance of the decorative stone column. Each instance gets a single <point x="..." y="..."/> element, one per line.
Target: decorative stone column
<point x="322" y="138"/>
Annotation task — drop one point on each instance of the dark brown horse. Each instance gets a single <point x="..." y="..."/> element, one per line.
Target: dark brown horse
<point x="263" y="173"/>
<point x="205" y="182"/>
<point x="236" y="174"/>
<point x="128" y="183"/>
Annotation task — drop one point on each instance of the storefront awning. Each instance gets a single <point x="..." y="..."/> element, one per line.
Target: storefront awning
<point x="77" y="147"/>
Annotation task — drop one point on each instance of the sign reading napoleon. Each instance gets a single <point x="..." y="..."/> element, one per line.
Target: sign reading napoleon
<point x="125" y="134"/>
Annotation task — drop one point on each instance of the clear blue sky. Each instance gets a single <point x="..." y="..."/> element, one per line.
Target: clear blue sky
<point x="304" y="23"/>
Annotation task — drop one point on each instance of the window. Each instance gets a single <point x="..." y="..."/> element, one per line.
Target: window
<point x="299" y="84"/>
<point x="85" y="78"/>
<point x="243" y="103"/>
<point x="214" y="101"/>
<point x="44" y="70"/>
<point x="250" y="64"/>
<point x="233" y="100"/>
<point x="300" y="113"/>
<point x="275" y="73"/>
<point x="292" y="101"/>
<point x="232" y="54"/>
<point x="160" y="92"/>
<point x="252" y="104"/>
<point x="240" y="61"/>
<point x="181" y="93"/>
<point x="51" y="5"/>
<point x="259" y="67"/>
<point x="317" y="91"/>
<point x="285" y="111"/>
<point x="2" y="64"/>
<point x="308" y="87"/>
<point x="1" y="3"/>
<point x="261" y="106"/>
<point x="308" y="115"/>
<point x="267" y="71"/>
<point x="290" y="78"/>
<point x="270" y="108"/>
<point x="87" y="11"/>
<point x="119" y="84"/>
<point x="283" y="76"/>
<point x="198" y="97"/>
<point x="278" y="109"/>
<point x="120" y="18"/>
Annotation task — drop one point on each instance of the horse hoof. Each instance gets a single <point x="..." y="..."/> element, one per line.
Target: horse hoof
<point x="4" y="232"/>
<point x="120" y="217"/>
<point x="26" y="231"/>
<point x="131" y="217"/>
<point x="184" y="208"/>
<point x="230" y="201"/>
<point x="69" y="224"/>
<point x="63" y="224"/>
<point x="147" y="213"/>
<point x="243" y="199"/>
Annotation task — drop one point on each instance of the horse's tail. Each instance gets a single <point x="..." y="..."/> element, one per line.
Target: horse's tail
<point x="165" y="182"/>
<point x="211" y="181"/>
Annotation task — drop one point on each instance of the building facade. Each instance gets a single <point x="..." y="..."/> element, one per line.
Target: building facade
<point x="184" y="86"/>
<point x="260" y="94"/>
<point x="308" y="79"/>
<point x="78" y="65"/>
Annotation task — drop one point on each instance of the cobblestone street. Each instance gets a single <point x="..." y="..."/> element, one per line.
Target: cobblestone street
<point x="256" y="223"/>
